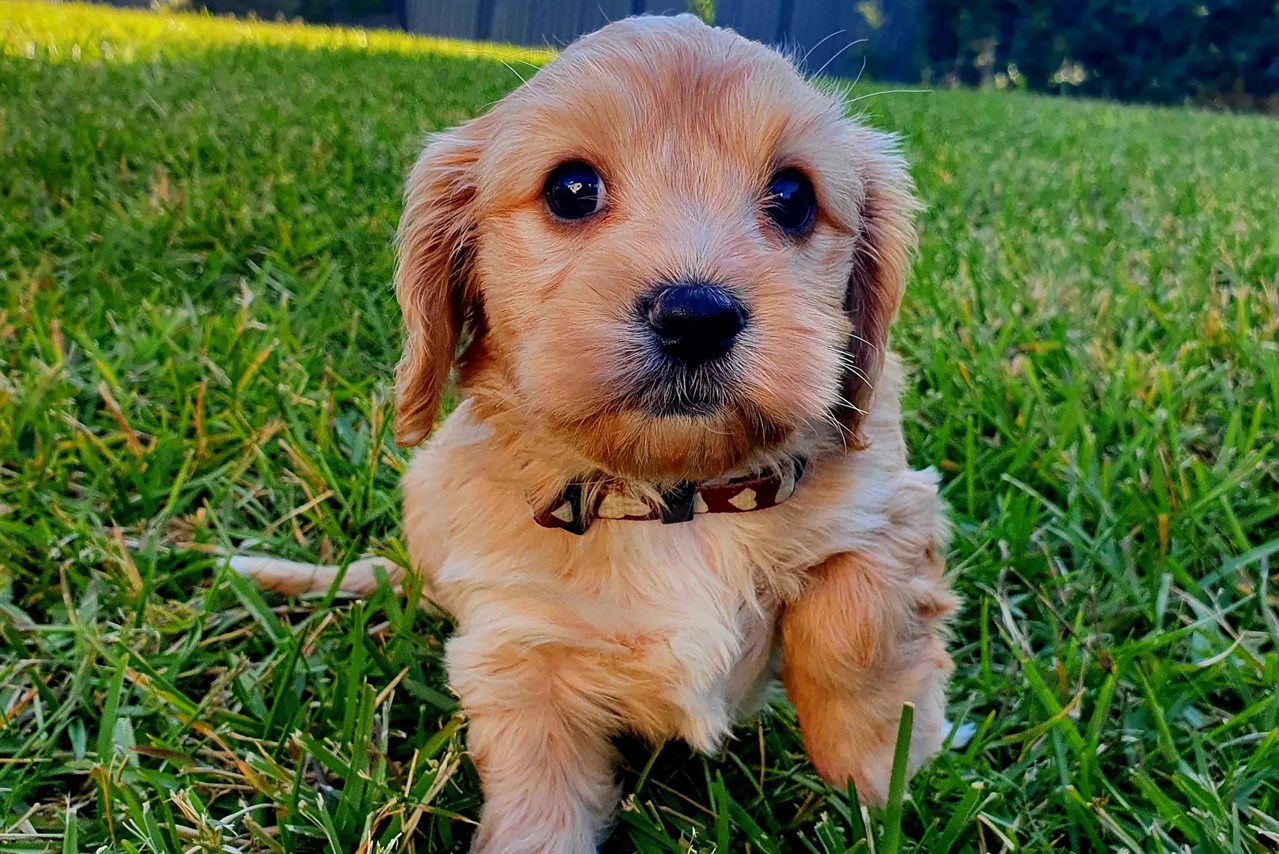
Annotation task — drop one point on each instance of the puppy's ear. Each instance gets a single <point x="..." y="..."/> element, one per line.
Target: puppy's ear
<point x="433" y="279"/>
<point x="880" y="268"/>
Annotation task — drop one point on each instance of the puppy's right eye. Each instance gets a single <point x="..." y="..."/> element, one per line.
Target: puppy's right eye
<point x="573" y="191"/>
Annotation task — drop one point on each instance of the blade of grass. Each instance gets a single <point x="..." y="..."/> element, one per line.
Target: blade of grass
<point x="891" y="839"/>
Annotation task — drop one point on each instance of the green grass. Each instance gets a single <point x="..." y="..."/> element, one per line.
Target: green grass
<point x="196" y="335"/>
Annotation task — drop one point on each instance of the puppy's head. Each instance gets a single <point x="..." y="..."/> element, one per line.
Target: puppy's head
<point x="672" y="251"/>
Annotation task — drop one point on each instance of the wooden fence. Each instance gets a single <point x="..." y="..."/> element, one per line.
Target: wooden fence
<point x="821" y="30"/>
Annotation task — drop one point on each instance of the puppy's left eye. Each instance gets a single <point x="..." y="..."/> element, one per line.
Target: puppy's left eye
<point x="790" y="202"/>
<point x="574" y="190"/>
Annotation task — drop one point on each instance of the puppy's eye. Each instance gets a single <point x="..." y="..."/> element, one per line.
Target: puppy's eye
<point x="790" y="202"/>
<point x="574" y="190"/>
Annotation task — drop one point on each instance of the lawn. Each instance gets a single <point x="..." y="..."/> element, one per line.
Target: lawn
<point x="196" y="338"/>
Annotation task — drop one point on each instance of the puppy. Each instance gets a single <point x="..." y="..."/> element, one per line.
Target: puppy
<point x="665" y="270"/>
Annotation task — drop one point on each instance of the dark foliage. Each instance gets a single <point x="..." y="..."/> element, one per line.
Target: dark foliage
<point x="1220" y="52"/>
<point x="388" y="13"/>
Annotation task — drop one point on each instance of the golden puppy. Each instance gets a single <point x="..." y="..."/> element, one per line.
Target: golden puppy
<point x="665" y="270"/>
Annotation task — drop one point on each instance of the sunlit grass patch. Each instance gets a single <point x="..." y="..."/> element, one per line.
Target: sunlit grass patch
<point x="73" y="32"/>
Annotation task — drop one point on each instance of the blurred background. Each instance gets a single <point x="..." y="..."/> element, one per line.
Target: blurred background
<point x="1220" y="53"/>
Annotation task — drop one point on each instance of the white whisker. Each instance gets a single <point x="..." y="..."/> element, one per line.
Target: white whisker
<point x="516" y="73"/>
<point x="804" y="59"/>
<point x="858" y="78"/>
<point x="836" y="55"/>
<point x="890" y="92"/>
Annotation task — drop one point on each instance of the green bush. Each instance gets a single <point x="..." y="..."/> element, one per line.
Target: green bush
<point x="1221" y="52"/>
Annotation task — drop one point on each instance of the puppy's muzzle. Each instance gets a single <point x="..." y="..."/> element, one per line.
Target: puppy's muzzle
<point x="695" y="323"/>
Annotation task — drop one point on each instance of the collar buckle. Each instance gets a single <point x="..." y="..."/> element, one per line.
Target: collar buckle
<point x="679" y="501"/>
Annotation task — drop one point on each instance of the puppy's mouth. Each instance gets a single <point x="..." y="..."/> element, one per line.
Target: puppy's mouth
<point x="665" y="389"/>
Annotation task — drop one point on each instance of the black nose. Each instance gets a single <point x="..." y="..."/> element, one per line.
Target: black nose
<point x="695" y="323"/>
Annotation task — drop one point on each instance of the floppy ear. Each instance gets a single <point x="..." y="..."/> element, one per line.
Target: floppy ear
<point x="880" y="267"/>
<point x="433" y="280"/>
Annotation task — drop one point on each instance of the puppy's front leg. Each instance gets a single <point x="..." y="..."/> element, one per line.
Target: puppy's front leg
<point x="857" y="645"/>
<point x="541" y="744"/>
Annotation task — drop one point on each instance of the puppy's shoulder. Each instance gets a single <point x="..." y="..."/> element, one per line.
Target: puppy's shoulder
<point x="457" y="446"/>
<point x="446" y="478"/>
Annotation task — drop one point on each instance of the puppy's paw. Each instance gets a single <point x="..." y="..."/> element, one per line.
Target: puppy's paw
<point x="853" y="736"/>
<point x="869" y="773"/>
<point x="868" y="762"/>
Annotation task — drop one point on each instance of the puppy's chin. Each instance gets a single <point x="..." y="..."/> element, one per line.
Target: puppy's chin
<point x="689" y="440"/>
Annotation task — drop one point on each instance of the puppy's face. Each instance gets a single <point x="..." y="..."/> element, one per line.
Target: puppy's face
<point x="673" y="250"/>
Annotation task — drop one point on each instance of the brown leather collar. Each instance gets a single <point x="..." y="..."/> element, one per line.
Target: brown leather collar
<point x="739" y="495"/>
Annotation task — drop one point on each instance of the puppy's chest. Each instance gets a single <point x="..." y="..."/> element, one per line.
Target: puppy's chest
<point x="695" y="622"/>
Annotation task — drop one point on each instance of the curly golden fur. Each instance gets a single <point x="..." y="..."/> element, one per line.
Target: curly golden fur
<point x="665" y="631"/>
